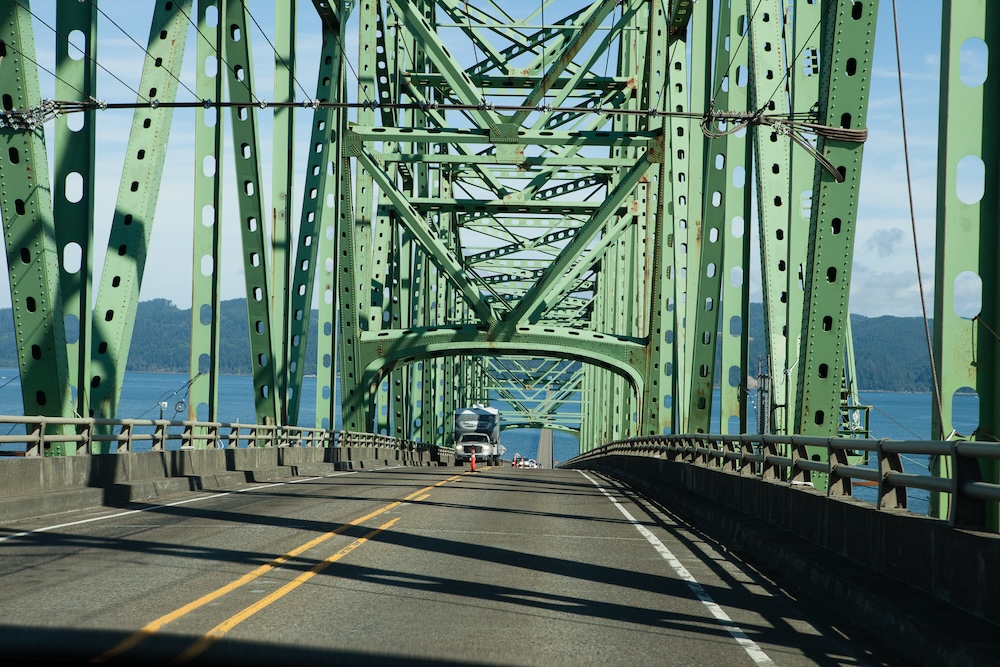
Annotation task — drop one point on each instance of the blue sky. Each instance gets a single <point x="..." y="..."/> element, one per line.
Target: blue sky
<point x="884" y="278"/>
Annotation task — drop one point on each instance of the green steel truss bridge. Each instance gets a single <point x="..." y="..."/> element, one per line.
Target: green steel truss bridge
<point x="547" y="203"/>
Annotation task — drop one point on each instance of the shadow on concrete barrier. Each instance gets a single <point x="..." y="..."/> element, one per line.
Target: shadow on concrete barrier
<point x="33" y="486"/>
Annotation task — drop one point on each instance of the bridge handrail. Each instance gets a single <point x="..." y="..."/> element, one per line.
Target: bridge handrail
<point x="123" y="434"/>
<point x="778" y="458"/>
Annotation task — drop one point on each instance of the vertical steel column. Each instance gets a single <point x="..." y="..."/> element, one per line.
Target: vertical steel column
<point x="339" y="306"/>
<point x="250" y="187"/>
<point x="283" y="139"/>
<point x="680" y="165"/>
<point x="772" y="164"/>
<point x="355" y="407"/>
<point x="29" y="232"/>
<point x="128" y="244"/>
<point x="965" y="336"/>
<point x="735" y="336"/>
<point x="803" y="83"/>
<point x="719" y="176"/>
<point x="315" y="254"/>
<point x="700" y="33"/>
<point x="73" y="195"/>
<point x="846" y="80"/>
<point x="206" y="264"/>
<point x="658" y="402"/>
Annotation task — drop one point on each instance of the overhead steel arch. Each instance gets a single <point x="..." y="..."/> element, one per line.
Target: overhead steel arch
<point x="392" y="353"/>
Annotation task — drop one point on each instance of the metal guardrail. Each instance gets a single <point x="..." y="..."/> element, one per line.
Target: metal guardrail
<point x="784" y="458"/>
<point x="122" y="436"/>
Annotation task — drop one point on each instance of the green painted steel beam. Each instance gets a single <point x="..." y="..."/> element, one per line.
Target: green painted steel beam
<point x="846" y="81"/>
<point x="965" y="343"/>
<point x="727" y="156"/>
<point x="206" y="264"/>
<point x="655" y="413"/>
<point x="527" y="162"/>
<point x="514" y="84"/>
<point x="772" y="159"/>
<point x="494" y="208"/>
<point x="734" y="338"/>
<point x="283" y="151"/>
<point x="489" y="179"/>
<point x="315" y="254"/>
<point x="678" y="130"/>
<point x="804" y="84"/>
<point x="527" y="137"/>
<point x="131" y="229"/>
<point x="256" y="255"/>
<point x="76" y="80"/>
<point x="575" y="38"/>
<point x="29" y="231"/>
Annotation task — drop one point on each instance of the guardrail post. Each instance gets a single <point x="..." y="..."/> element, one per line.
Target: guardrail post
<point x="966" y="511"/>
<point x="159" y="435"/>
<point x="729" y="455"/>
<point x="33" y="438"/>
<point x="890" y="496"/>
<point x="837" y="484"/>
<point x="771" y="470"/>
<point x="746" y="466"/>
<point x="125" y="437"/>
<point x="799" y="474"/>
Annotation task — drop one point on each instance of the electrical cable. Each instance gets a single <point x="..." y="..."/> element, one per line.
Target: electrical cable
<point x="475" y="49"/>
<point x="277" y="55"/>
<point x="784" y="78"/>
<point x="85" y="55"/>
<point x="149" y="55"/>
<point x="217" y="53"/>
<point x="732" y="53"/>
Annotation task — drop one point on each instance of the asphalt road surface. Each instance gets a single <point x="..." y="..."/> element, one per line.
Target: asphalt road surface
<point x="402" y="566"/>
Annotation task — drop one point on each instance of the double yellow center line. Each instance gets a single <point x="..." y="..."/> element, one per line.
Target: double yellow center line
<point x="220" y="630"/>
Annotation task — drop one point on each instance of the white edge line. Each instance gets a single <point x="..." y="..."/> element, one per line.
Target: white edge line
<point x="186" y="501"/>
<point x="750" y="646"/>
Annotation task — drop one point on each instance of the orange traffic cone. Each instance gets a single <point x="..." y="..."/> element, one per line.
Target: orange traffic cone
<point x="473" y="462"/>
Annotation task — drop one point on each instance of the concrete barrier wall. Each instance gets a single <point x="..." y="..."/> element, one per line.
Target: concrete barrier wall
<point x="32" y="486"/>
<point x="951" y="564"/>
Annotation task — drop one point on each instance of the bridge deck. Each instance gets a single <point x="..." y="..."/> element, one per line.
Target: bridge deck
<point x="504" y="566"/>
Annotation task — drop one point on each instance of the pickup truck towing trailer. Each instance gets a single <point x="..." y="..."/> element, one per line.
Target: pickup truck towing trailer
<point x="477" y="433"/>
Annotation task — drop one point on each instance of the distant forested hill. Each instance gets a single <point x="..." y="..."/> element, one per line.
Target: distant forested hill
<point x="890" y="352"/>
